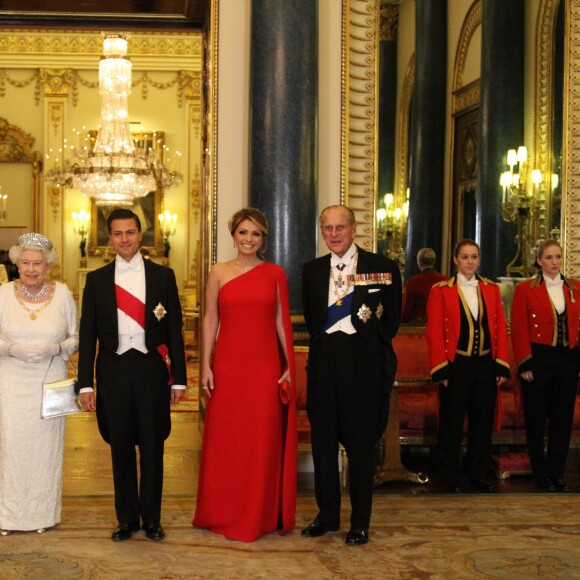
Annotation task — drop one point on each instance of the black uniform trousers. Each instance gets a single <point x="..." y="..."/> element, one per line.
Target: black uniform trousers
<point x="343" y="406"/>
<point x="550" y="398"/>
<point x="133" y="401"/>
<point x="471" y="390"/>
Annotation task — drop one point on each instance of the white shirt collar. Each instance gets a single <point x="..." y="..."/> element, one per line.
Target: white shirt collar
<point x="346" y="259"/>
<point x="136" y="263"/>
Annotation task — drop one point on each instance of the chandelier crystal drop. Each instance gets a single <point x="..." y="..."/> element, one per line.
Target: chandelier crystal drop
<point x="112" y="169"/>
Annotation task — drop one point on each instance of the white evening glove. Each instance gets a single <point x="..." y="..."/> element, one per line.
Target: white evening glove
<point x="34" y="352"/>
<point x="48" y="349"/>
<point x="26" y="352"/>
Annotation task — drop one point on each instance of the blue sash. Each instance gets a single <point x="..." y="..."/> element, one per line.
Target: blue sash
<point x="336" y="313"/>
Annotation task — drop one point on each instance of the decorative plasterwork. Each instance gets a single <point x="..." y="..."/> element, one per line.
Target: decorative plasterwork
<point x="389" y="22"/>
<point x="466" y="97"/>
<point x="543" y="93"/>
<point x="51" y="48"/>
<point x="470" y="23"/>
<point x="359" y="129"/>
<point x="571" y="170"/>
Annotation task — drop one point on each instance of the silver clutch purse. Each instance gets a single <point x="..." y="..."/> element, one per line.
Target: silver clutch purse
<point x="59" y="397"/>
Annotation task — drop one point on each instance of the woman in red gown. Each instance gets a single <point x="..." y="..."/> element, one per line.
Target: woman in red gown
<point x="247" y="479"/>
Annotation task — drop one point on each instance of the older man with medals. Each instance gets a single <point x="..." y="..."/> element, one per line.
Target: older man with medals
<point x="131" y="309"/>
<point x="352" y="309"/>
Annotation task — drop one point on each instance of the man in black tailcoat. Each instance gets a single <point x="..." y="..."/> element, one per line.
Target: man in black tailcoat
<point x="352" y="309"/>
<point x="131" y="308"/>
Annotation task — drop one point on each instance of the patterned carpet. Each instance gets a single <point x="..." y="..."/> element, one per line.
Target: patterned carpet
<point x="436" y="536"/>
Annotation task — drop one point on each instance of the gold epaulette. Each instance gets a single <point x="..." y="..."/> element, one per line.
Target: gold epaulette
<point x="487" y="281"/>
<point x="449" y="282"/>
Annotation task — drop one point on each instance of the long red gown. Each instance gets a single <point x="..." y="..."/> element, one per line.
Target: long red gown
<point x="247" y="479"/>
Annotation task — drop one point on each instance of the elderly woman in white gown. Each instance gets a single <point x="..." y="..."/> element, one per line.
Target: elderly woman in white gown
<point x="38" y="332"/>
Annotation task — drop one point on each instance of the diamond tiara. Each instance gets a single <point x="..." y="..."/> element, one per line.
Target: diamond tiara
<point x="34" y="239"/>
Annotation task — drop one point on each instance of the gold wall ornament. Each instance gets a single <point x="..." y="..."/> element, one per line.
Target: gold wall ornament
<point x="359" y="113"/>
<point x="54" y="199"/>
<point x="472" y="21"/>
<point x="544" y="106"/>
<point x="56" y="82"/>
<point x="389" y="13"/>
<point x="571" y="191"/>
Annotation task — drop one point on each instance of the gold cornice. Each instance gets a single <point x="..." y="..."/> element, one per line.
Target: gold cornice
<point x="147" y="50"/>
<point x="470" y="23"/>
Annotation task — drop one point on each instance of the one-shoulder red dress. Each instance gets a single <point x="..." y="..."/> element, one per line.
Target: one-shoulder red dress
<point x="247" y="479"/>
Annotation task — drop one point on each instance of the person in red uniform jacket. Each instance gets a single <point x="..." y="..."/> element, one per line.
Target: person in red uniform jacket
<point x="468" y="356"/>
<point x="417" y="288"/>
<point x="545" y="321"/>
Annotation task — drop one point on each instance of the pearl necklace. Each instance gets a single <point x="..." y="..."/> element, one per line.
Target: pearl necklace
<point x="247" y="268"/>
<point x="34" y="297"/>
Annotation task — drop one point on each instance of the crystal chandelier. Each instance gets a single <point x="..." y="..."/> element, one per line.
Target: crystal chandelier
<point x="113" y="169"/>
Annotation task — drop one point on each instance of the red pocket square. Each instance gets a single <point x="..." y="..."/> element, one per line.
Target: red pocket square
<point x="285" y="392"/>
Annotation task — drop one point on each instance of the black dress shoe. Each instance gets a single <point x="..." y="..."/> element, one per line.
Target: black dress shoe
<point x="124" y="532"/>
<point x="483" y="486"/>
<point x="545" y="484"/>
<point x="153" y="530"/>
<point x="560" y="485"/>
<point x="357" y="537"/>
<point x="318" y="528"/>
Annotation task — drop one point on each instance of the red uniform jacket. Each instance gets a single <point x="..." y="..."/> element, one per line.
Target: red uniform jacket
<point x="444" y="320"/>
<point x="534" y="317"/>
<point x="416" y="294"/>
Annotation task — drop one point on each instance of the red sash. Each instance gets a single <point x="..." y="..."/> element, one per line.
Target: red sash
<point x="130" y="305"/>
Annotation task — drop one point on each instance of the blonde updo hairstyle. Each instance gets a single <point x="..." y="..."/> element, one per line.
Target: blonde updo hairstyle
<point x="256" y="217"/>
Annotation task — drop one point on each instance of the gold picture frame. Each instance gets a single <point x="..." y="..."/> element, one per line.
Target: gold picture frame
<point x="147" y="208"/>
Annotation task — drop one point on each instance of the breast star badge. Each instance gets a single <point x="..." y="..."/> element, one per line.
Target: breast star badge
<point x="159" y="311"/>
<point x="380" y="310"/>
<point x="364" y="313"/>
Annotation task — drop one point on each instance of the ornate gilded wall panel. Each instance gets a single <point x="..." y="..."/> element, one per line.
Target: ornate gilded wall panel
<point x="571" y="194"/>
<point x="359" y="128"/>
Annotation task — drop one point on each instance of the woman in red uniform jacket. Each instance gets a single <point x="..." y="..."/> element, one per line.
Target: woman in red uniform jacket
<point x="545" y="320"/>
<point x="468" y="355"/>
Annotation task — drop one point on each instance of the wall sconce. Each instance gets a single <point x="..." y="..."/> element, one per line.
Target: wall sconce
<point x="522" y="206"/>
<point x="3" y="203"/>
<point x="81" y="227"/>
<point x="392" y="227"/>
<point x="167" y="223"/>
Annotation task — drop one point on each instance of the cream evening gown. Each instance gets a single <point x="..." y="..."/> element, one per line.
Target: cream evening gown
<point x="31" y="448"/>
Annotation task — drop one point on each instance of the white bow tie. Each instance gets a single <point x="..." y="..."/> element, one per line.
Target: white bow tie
<point x="124" y="266"/>
<point x="473" y="283"/>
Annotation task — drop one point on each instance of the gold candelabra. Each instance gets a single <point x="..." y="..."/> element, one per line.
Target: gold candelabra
<point x="523" y="206"/>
